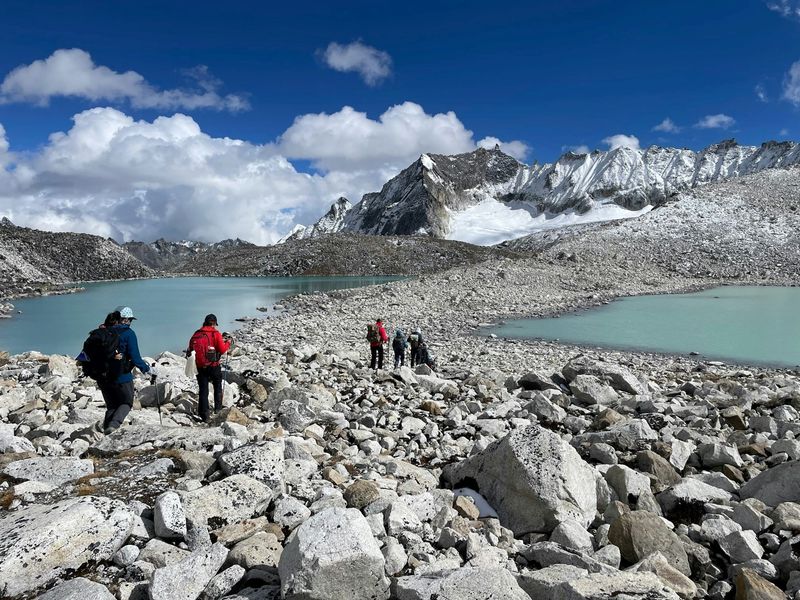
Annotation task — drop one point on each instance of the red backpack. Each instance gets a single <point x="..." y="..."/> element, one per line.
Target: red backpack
<point x="205" y="354"/>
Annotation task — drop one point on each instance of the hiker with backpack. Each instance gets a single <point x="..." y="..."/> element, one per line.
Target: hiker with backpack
<point x="109" y="356"/>
<point x="208" y="345"/>
<point x="377" y="337"/>
<point x="414" y="341"/>
<point x="424" y="356"/>
<point x="399" y="345"/>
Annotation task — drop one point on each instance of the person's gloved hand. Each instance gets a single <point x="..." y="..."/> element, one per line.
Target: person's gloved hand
<point x="153" y="372"/>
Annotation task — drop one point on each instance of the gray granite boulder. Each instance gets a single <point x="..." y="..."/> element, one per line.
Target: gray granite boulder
<point x="79" y="588"/>
<point x="477" y="583"/>
<point x="12" y="443"/>
<point x="533" y="479"/>
<point x="623" y="584"/>
<point x="542" y="583"/>
<point x="333" y="556"/>
<point x="55" y="470"/>
<point x="263" y="462"/>
<point x="186" y="580"/>
<point x="640" y="533"/>
<point x="39" y="543"/>
<point x="690" y="492"/>
<point x="773" y="486"/>
<point x="169" y="518"/>
<point x="229" y="500"/>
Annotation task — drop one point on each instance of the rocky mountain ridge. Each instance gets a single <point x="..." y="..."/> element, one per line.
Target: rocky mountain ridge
<point x="166" y="255"/>
<point x="436" y="194"/>
<point x="32" y="260"/>
<point x="343" y="254"/>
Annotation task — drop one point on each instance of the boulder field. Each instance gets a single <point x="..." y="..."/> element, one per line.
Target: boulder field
<point x="516" y="470"/>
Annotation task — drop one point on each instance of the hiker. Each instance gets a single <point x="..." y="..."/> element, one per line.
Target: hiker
<point x="424" y="356"/>
<point x="112" y="318"/>
<point x="118" y="394"/>
<point x="414" y="341"/>
<point x="377" y="337"/>
<point x="208" y="345"/>
<point x="399" y="345"/>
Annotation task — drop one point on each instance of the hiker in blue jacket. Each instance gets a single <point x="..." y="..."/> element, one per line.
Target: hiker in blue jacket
<point x="118" y="395"/>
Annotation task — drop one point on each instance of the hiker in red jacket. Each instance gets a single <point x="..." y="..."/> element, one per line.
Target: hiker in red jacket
<point x="377" y="337"/>
<point x="208" y="345"/>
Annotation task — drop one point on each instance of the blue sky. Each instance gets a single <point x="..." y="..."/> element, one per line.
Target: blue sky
<point x="548" y="75"/>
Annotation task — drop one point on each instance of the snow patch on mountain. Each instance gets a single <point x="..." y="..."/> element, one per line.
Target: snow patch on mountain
<point x="490" y="222"/>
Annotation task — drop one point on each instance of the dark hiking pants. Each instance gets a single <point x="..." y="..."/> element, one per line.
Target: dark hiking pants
<point x="119" y="401"/>
<point x="399" y="358"/>
<point x="377" y="356"/>
<point x="204" y="376"/>
<point x="413" y="356"/>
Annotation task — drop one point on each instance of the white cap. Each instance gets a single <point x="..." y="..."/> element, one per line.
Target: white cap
<point x="126" y="312"/>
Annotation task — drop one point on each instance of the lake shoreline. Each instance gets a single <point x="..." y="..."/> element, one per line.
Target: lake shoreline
<point x="550" y="291"/>
<point x="296" y="305"/>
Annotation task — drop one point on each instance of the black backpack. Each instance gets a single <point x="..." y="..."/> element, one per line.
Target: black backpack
<point x="100" y="350"/>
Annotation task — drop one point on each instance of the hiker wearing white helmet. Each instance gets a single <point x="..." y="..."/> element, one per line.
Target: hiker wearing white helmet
<point x="118" y="394"/>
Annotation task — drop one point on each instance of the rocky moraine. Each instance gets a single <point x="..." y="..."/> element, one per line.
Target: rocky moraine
<point x="608" y="474"/>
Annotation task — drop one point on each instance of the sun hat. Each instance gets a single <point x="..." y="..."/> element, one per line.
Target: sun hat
<point x="126" y="312"/>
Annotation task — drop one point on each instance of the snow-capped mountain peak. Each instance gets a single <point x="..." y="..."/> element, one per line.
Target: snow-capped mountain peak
<point x="486" y="196"/>
<point x="331" y="222"/>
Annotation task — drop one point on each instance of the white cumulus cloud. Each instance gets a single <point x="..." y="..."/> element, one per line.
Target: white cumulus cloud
<point x="622" y="141"/>
<point x="791" y="84"/>
<point x="371" y="64"/>
<point x="718" y="121"/>
<point x="667" y="126"/>
<point x="786" y="8"/>
<point x="349" y="139"/>
<point x="73" y="73"/>
<point x="761" y="93"/>
<point x="115" y="176"/>
<point x="577" y="149"/>
<point x="515" y="148"/>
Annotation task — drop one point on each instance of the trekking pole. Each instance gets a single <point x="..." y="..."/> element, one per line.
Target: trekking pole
<point x="225" y="367"/>
<point x="158" y="396"/>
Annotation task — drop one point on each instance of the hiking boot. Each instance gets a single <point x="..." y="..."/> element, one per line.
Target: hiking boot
<point x="110" y="429"/>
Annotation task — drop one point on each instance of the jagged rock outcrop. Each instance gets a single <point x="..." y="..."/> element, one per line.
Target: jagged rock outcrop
<point x="420" y="198"/>
<point x="331" y="222"/>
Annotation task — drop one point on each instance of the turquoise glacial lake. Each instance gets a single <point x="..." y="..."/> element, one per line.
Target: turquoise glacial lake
<point x="168" y="311"/>
<point x="752" y="325"/>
